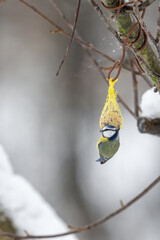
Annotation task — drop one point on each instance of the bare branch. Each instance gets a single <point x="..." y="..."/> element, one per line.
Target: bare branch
<point x="158" y="31"/>
<point x="141" y="6"/>
<point x="135" y="87"/>
<point x="123" y="206"/>
<point x="62" y="15"/>
<point x="158" y="25"/>
<point x="147" y="125"/>
<point x="139" y="45"/>
<point x="136" y="12"/>
<point x="103" y="220"/>
<point x="72" y="36"/>
<point x="145" y="4"/>
<point x="90" y="226"/>
<point x="42" y="15"/>
<point x="105" y="20"/>
<point x="60" y="30"/>
<point x="82" y="44"/>
<point x="90" y="55"/>
<point x="145" y="78"/>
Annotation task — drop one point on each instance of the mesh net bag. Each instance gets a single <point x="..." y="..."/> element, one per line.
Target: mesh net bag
<point x="111" y="113"/>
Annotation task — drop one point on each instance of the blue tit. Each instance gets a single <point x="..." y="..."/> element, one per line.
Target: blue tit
<point x="108" y="144"/>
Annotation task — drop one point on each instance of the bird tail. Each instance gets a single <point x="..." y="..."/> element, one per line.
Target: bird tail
<point x="100" y="160"/>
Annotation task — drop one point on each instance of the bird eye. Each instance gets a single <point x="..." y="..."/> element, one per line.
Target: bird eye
<point x="108" y="134"/>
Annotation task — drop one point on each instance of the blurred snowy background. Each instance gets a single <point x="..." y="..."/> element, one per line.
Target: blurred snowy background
<point x="22" y="208"/>
<point x="49" y="125"/>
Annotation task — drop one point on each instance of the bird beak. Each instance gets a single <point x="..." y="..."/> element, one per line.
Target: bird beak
<point x="101" y="131"/>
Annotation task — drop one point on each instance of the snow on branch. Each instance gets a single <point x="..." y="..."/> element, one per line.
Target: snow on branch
<point x="149" y="122"/>
<point x="26" y="209"/>
<point x="150" y="104"/>
<point x="90" y="226"/>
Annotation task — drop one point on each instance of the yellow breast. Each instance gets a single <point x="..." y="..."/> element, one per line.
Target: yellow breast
<point x="102" y="139"/>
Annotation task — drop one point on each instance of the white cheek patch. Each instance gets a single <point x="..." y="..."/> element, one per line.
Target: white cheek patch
<point x="108" y="133"/>
<point x="109" y="128"/>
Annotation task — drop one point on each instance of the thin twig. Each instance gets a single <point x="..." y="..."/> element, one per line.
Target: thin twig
<point x="141" y="7"/>
<point x="149" y="34"/>
<point x="61" y="14"/>
<point x="145" y="78"/>
<point x="137" y="15"/>
<point x="118" y="7"/>
<point x="60" y="30"/>
<point x="100" y="13"/>
<point x="135" y="88"/>
<point x="43" y="16"/>
<point x="140" y="18"/>
<point x="103" y="220"/>
<point x="145" y="4"/>
<point x="89" y="54"/>
<point x="140" y="72"/>
<point x="158" y="32"/>
<point x="150" y="71"/>
<point x="82" y="43"/>
<point x="136" y="11"/>
<point x="72" y="36"/>
<point x="158" y="26"/>
<point x="88" y="45"/>
<point x="90" y="226"/>
<point x="123" y="55"/>
<point x="105" y="20"/>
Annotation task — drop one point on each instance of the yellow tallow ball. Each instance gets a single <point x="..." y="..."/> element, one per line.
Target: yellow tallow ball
<point x="111" y="113"/>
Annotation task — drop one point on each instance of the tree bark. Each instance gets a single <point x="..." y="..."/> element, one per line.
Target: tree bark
<point x="145" y="54"/>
